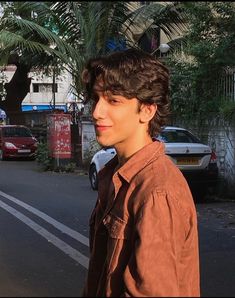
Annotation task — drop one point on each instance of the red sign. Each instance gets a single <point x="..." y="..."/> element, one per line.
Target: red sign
<point x="59" y="135"/>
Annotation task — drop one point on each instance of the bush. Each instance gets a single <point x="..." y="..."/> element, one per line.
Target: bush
<point x="70" y="167"/>
<point x="43" y="158"/>
<point x="49" y="164"/>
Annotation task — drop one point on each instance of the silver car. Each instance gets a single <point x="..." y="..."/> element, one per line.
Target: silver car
<point x="197" y="161"/>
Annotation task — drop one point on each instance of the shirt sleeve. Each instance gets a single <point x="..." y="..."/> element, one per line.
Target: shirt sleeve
<point x="161" y="230"/>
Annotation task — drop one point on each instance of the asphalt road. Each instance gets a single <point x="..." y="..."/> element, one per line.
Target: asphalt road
<point x="217" y="248"/>
<point x="44" y="235"/>
<point x="33" y="262"/>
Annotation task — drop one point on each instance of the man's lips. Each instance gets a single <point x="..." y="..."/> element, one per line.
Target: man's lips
<point x="101" y="127"/>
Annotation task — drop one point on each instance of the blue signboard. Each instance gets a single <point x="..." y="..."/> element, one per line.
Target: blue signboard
<point x="42" y="107"/>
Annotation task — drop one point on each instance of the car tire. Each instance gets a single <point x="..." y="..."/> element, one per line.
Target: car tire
<point x="93" y="176"/>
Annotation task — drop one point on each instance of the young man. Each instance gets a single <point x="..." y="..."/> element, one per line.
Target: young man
<point x="143" y="229"/>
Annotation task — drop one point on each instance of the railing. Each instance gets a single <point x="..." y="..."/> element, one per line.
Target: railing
<point x="225" y="87"/>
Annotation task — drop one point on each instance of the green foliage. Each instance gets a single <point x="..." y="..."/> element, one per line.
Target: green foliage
<point x="3" y="80"/>
<point x="208" y="49"/>
<point x="181" y="88"/>
<point x="49" y="164"/>
<point x="70" y="167"/>
<point x="43" y="158"/>
<point x="193" y="94"/>
<point x="227" y="109"/>
<point x="79" y="30"/>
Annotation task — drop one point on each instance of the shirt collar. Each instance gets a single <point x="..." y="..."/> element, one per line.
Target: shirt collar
<point x="136" y="162"/>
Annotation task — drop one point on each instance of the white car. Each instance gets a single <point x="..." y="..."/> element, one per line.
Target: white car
<point x="197" y="161"/>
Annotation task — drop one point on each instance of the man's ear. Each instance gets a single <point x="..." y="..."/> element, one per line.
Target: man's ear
<point x="147" y="112"/>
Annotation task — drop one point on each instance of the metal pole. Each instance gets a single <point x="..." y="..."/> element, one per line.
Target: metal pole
<point x="53" y="88"/>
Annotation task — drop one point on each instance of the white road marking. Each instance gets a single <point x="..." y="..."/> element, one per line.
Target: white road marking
<point x="67" y="249"/>
<point x="63" y="228"/>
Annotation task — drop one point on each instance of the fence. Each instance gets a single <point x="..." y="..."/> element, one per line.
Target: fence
<point x="225" y="87"/>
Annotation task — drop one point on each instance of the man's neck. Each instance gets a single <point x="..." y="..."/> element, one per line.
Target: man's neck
<point x="124" y="154"/>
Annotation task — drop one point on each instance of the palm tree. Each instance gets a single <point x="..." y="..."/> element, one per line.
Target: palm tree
<point x="72" y="32"/>
<point x="26" y="47"/>
<point x="96" y="28"/>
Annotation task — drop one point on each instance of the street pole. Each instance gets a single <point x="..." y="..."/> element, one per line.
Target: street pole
<point x="53" y="88"/>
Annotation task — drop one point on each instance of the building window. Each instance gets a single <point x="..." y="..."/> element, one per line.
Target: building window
<point x="44" y="88"/>
<point x="35" y="88"/>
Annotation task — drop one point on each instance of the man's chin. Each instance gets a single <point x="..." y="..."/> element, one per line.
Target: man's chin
<point x="103" y="143"/>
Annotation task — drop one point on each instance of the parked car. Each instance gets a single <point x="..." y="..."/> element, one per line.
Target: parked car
<point x="197" y="161"/>
<point x="17" y="141"/>
<point x="98" y="161"/>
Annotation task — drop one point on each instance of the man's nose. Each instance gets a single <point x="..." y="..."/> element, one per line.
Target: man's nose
<point x="99" y="109"/>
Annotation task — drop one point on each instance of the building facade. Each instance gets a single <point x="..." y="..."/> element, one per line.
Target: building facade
<point x="42" y="95"/>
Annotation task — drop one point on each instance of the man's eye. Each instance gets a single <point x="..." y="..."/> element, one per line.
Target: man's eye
<point x="113" y="100"/>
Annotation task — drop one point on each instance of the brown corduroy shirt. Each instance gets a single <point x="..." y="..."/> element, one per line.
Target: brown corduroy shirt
<point x="143" y="230"/>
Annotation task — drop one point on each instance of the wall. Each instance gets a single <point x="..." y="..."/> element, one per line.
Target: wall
<point x="63" y="82"/>
<point x="89" y="144"/>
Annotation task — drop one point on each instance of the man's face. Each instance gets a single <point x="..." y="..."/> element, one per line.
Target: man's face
<point x="116" y="120"/>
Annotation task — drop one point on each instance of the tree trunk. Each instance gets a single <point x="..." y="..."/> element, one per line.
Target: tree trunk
<point x="16" y="90"/>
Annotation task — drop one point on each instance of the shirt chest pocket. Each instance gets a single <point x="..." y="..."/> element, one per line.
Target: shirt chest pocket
<point x="118" y="242"/>
<point x="117" y="228"/>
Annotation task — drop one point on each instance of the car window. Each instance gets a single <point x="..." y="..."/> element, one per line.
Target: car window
<point x="16" y="132"/>
<point x="177" y="136"/>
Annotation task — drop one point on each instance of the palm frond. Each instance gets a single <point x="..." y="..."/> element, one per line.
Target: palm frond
<point x="81" y="30"/>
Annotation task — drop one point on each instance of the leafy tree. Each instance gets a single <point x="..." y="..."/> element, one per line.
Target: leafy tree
<point x="78" y="30"/>
<point x="16" y="50"/>
<point x="209" y="49"/>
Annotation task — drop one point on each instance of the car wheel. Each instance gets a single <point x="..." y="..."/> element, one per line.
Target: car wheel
<point x="93" y="177"/>
<point x="1" y="155"/>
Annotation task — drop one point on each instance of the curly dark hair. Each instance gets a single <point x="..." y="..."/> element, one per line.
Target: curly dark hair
<point x="133" y="74"/>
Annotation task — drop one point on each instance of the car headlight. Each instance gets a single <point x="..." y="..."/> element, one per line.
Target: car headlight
<point x="9" y="145"/>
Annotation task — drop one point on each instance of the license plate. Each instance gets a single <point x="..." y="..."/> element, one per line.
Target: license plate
<point x="24" y="150"/>
<point x="187" y="161"/>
